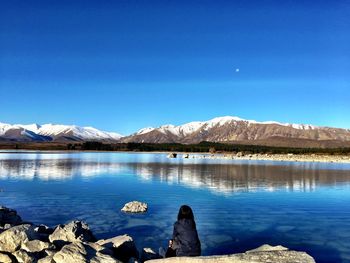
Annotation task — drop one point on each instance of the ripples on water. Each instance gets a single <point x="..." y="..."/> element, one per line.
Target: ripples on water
<point x="238" y="205"/>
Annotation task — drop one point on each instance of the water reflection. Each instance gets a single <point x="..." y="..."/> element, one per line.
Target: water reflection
<point x="221" y="178"/>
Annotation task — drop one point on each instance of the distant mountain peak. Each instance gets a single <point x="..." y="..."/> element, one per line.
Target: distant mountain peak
<point x="55" y="132"/>
<point x="232" y="129"/>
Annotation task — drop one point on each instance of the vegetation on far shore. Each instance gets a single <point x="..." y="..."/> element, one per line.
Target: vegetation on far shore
<point x="202" y="147"/>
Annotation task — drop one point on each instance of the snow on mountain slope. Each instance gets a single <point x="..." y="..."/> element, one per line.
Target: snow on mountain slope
<point x="191" y="127"/>
<point x="56" y="130"/>
<point x="234" y="129"/>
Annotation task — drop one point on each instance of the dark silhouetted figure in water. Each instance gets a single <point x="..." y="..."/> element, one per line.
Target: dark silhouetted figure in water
<point x="185" y="241"/>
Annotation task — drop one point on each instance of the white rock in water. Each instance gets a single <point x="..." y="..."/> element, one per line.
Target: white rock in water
<point x="172" y="155"/>
<point x="135" y="207"/>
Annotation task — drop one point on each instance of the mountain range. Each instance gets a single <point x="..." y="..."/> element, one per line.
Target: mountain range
<point x="226" y="129"/>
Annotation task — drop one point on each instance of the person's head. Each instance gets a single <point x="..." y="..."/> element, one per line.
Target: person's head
<point x="185" y="212"/>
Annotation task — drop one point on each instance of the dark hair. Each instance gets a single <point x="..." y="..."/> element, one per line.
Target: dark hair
<point x="185" y="212"/>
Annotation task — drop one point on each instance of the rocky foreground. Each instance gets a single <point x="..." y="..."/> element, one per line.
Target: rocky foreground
<point x="74" y="242"/>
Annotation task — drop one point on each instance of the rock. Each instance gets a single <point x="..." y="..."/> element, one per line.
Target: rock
<point x="148" y="254"/>
<point x="275" y="256"/>
<point x="71" y="232"/>
<point x="9" y="216"/>
<point x="267" y="247"/>
<point x="186" y="156"/>
<point x="172" y="155"/>
<point x="48" y="259"/>
<point x="4" y="258"/>
<point x="123" y="247"/>
<point x="43" y="229"/>
<point x="36" y="246"/>
<point x="44" y="232"/>
<point x="135" y="207"/>
<point x="80" y="253"/>
<point x="240" y="154"/>
<point x="23" y="257"/>
<point x="13" y="238"/>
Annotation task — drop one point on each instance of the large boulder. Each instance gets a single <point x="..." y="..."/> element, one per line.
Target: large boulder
<point x="71" y="232"/>
<point x="123" y="247"/>
<point x="13" y="238"/>
<point x="262" y="255"/>
<point x="135" y="207"/>
<point x="9" y="216"/>
<point x="78" y="252"/>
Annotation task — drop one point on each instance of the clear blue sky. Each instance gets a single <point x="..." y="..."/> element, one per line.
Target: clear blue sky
<point x="123" y="65"/>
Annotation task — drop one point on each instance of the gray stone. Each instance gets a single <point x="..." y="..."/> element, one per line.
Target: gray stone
<point x="123" y="247"/>
<point x="80" y="253"/>
<point x="135" y="207"/>
<point x="48" y="259"/>
<point x="36" y="246"/>
<point x="267" y="247"/>
<point x="13" y="238"/>
<point x="71" y="232"/>
<point x="4" y="258"/>
<point x="275" y="256"/>
<point x="23" y="257"/>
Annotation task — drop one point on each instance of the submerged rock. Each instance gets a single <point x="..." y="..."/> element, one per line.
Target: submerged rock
<point x="123" y="247"/>
<point x="13" y="238"/>
<point x="71" y="232"/>
<point x="135" y="207"/>
<point x="9" y="217"/>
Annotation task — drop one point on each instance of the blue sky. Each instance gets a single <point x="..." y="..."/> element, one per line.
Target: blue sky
<point x="124" y="65"/>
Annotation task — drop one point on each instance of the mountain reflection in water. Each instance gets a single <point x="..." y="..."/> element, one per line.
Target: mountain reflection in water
<point x="221" y="178"/>
<point x="239" y="205"/>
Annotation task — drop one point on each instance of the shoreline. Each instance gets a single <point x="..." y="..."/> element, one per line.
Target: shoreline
<point x="22" y="241"/>
<point x="313" y="158"/>
<point x="287" y="157"/>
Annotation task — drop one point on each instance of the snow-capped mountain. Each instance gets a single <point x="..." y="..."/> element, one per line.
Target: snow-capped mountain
<point x="234" y="129"/>
<point x="226" y="129"/>
<point x="53" y="132"/>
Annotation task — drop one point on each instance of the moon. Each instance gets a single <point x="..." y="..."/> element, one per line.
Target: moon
<point x="237" y="70"/>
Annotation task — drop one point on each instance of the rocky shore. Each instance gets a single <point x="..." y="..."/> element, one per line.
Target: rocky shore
<point x="267" y="157"/>
<point x="25" y="242"/>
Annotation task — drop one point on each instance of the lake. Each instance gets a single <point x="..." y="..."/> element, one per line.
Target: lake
<point x="238" y="205"/>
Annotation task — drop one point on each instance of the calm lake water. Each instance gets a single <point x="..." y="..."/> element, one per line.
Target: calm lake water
<point x="238" y="205"/>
